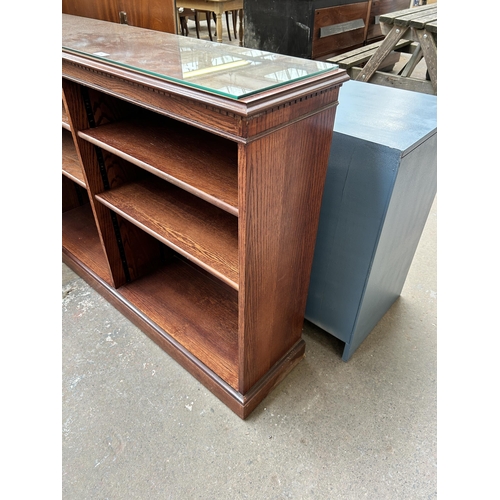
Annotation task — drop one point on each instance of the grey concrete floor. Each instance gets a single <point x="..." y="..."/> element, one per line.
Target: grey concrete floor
<point x="138" y="426"/>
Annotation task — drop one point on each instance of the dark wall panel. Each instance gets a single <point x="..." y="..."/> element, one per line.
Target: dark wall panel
<point x="281" y="27"/>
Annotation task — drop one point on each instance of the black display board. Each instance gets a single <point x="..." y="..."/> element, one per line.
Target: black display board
<point x="284" y="27"/>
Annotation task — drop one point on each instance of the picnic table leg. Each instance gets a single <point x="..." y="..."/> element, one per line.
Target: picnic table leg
<point x="383" y="51"/>
<point x="430" y="54"/>
<point x="412" y="63"/>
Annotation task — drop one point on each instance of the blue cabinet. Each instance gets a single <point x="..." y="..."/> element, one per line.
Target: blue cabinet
<point x="380" y="186"/>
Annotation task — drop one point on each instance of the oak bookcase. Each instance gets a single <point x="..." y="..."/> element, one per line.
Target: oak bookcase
<point x="192" y="185"/>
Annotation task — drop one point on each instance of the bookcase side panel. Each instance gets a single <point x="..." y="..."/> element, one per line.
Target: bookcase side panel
<point x="280" y="197"/>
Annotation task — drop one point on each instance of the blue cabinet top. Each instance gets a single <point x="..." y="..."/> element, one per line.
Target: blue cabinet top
<point x="398" y="119"/>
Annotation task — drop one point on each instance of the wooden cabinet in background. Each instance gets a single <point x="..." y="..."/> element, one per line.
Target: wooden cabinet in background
<point x="196" y="210"/>
<point x="151" y="14"/>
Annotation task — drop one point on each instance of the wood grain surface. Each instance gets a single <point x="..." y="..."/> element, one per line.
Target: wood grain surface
<point x="152" y="14"/>
<point x="201" y="232"/>
<point x="196" y="310"/>
<point x="280" y="197"/>
<point x="71" y="165"/>
<point x="201" y="163"/>
<point x="81" y="240"/>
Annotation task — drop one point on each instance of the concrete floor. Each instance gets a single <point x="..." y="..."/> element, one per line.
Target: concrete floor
<point x="138" y="426"/>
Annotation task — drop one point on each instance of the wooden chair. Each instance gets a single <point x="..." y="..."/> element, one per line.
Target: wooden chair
<point x="211" y="15"/>
<point x="234" y="16"/>
<point x="184" y="15"/>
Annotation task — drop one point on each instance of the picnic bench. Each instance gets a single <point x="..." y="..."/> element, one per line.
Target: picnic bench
<point x="413" y="31"/>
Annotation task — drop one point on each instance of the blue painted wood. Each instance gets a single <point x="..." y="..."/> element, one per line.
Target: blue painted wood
<point x="379" y="189"/>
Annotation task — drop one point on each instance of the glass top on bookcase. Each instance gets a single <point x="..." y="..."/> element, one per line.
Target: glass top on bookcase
<point x="219" y="68"/>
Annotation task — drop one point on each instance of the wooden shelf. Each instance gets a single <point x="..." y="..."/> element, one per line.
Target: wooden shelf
<point x="80" y="240"/>
<point x="65" y="119"/>
<point x="197" y="230"/>
<point x="197" y="311"/>
<point x="201" y="163"/>
<point x="71" y="166"/>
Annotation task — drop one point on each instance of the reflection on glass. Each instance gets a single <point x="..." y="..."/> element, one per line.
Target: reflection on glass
<point x="222" y="69"/>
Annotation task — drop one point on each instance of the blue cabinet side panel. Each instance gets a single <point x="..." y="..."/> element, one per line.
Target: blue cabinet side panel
<point x="357" y="191"/>
<point x="413" y="194"/>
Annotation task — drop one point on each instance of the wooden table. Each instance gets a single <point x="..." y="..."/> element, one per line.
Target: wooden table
<point x="219" y="7"/>
<point x="419" y="25"/>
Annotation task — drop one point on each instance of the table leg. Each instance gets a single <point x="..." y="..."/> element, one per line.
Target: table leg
<point x="430" y="54"/>
<point x="383" y="51"/>
<point x="412" y="63"/>
<point x="179" y="25"/>
<point x="218" y="23"/>
<point x="240" y="29"/>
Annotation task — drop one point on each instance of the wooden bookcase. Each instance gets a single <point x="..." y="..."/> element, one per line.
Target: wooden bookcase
<point x="195" y="213"/>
